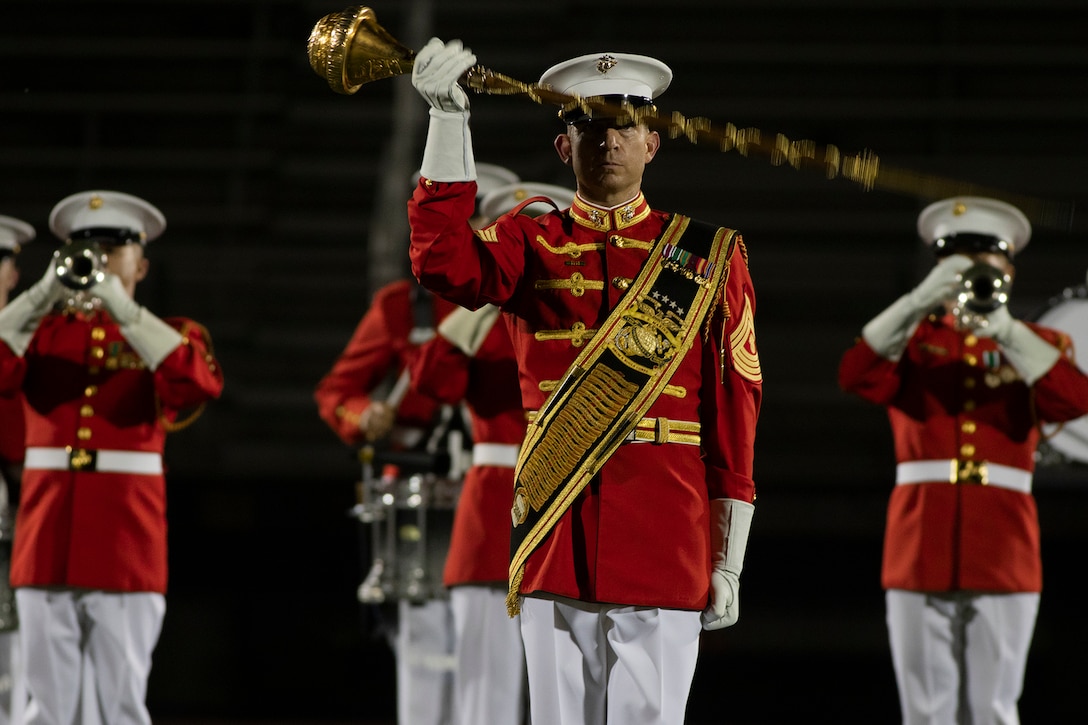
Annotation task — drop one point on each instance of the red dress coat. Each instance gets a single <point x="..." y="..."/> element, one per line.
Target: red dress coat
<point x="85" y="387"/>
<point x="381" y="346"/>
<point x="479" y="550"/>
<point x="639" y="532"/>
<point x="952" y="395"/>
<point x="12" y="430"/>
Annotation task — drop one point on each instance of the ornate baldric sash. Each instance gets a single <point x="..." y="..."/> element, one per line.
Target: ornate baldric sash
<point x="614" y="381"/>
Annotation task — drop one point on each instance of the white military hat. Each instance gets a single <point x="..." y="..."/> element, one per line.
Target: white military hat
<point x="13" y="234"/>
<point x="106" y="214"/>
<point x="637" y="79"/>
<point x="492" y="176"/>
<point x="504" y="198"/>
<point x="974" y="224"/>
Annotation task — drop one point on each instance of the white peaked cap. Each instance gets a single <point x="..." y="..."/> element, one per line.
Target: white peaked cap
<point x="504" y="198"/>
<point x="492" y="176"/>
<point x="609" y="74"/>
<point x="975" y="215"/>
<point x="106" y="210"/>
<point x="14" y="233"/>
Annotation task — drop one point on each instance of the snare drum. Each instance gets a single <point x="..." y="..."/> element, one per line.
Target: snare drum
<point x="1068" y="312"/>
<point x="410" y="520"/>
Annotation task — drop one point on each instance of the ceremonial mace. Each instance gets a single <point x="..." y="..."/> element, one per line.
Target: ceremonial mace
<point x="349" y="49"/>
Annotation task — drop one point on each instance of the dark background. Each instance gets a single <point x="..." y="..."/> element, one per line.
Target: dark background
<point x="284" y="203"/>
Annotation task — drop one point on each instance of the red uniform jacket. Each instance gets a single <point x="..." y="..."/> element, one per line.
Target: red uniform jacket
<point x="639" y="533"/>
<point x="488" y="383"/>
<point x="12" y="429"/>
<point x="952" y="395"/>
<point x="382" y="345"/>
<point x="85" y="387"/>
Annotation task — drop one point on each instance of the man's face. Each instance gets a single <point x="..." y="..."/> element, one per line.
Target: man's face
<point x="994" y="259"/>
<point x="608" y="159"/>
<point x="127" y="261"/>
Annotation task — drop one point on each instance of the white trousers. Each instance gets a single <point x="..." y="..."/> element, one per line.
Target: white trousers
<point x="489" y="679"/>
<point x="960" y="658"/>
<point x="88" y="654"/>
<point x="424" y="651"/>
<point x="12" y="679"/>
<point x="600" y="664"/>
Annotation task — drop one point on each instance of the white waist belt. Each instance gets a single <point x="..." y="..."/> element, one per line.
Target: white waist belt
<point x="90" y="459"/>
<point x="959" y="471"/>
<point x="504" y="455"/>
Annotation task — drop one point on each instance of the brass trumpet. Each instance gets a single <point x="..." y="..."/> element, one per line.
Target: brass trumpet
<point x="80" y="264"/>
<point x="349" y="49"/>
<point x="983" y="289"/>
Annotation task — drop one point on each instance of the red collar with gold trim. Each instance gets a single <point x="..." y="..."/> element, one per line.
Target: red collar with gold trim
<point x="606" y="220"/>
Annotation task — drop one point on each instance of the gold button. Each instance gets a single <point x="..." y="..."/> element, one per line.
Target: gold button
<point x="969" y="383"/>
<point x="84" y="434"/>
<point x="970" y="341"/>
<point x="969" y="405"/>
<point x="98" y="333"/>
<point x="86" y="411"/>
<point x="967" y="450"/>
<point x="97" y="353"/>
<point x="617" y="241"/>
<point x="621" y="283"/>
<point x="90" y="391"/>
<point x="970" y="359"/>
<point x="969" y="426"/>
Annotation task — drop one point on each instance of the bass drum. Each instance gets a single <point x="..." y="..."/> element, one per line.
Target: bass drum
<point x="1068" y="312"/>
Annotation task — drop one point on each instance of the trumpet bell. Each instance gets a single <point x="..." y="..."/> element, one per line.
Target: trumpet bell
<point x="349" y="49"/>
<point x="80" y="264"/>
<point x="983" y="289"/>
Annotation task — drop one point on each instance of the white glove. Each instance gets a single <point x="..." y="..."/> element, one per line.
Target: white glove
<point x="122" y="308"/>
<point x="730" y="522"/>
<point x="467" y="329"/>
<point x="1031" y="355"/>
<point x="941" y="284"/>
<point x="436" y="71"/>
<point x="150" y="337"/>
<point x="447" y="155"/>
<point x="20" y="318"/>
<point x="888" y="332"/>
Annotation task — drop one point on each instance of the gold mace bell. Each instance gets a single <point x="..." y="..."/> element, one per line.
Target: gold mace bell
<point x="349" y="49"/>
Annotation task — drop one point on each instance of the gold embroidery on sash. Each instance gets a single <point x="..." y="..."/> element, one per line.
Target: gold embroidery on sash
<point x="650" y="331"/>
<point x="592" y="408"/>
